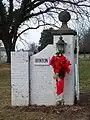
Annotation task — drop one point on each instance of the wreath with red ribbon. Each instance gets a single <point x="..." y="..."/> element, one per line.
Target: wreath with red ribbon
<point x="61" y="66"/>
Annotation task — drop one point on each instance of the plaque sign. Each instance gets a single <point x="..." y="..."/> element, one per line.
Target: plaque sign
<point x="41" y="61"/>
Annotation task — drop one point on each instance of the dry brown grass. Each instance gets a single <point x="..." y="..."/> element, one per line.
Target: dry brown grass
<point x="78" y="112"/>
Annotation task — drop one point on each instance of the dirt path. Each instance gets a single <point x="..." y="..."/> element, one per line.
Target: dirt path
<point x="81" y="111"/>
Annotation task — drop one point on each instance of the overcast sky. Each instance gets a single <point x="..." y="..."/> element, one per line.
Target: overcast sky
<point x="34" y="36"/>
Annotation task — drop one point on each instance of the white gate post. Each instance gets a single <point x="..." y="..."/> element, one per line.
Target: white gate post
<point x="68" y="36"/>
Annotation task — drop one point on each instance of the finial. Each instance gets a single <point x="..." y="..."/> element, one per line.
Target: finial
<point x="64" y="17"/>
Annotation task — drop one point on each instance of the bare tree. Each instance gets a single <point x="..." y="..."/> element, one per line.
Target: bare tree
<point x="33" y="48"/>
<point x="16" y="13"/>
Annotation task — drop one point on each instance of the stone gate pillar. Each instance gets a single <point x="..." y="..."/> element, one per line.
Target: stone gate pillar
<point x="68" y="35"/>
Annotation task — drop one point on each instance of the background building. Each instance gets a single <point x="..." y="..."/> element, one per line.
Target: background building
<point x="3" y="56"/>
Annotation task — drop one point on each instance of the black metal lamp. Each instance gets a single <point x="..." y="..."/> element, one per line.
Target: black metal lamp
<point x="60" y="45"/>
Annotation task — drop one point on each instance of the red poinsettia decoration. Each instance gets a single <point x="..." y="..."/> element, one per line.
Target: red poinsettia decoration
<point x="61" y="66"/>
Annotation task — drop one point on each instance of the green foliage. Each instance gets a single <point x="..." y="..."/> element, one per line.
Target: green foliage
<point x="84" y="71"/>
<point x="46" y="38"/>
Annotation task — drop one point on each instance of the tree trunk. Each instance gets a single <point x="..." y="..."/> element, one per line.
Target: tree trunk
<point x="8" y="56"/>
<point x="9" y="47"/>
<point x="9" y="41"/>
<point x="8" y="52"/>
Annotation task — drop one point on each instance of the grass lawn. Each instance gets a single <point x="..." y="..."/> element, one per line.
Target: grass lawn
<point x="76" y="112"/>
<point x="84" y="71"/>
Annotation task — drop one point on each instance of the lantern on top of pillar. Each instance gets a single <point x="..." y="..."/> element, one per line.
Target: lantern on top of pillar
<point x="60" y="45"/>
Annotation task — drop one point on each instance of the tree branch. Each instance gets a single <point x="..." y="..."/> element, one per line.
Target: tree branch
<point x="36" y="28"/>
<point x="11" y="6"/>
<point x="77" y="3"/>
<point x="10" y="15"/>
<point x="38" y="13"/>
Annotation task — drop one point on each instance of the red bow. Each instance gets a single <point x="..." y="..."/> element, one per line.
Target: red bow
<point x="60" y="65"/>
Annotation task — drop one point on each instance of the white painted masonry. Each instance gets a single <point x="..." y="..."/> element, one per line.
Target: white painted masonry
<point x="32" y="80"/>
<point x="69" y="83"/>
<point x="19" y="79"/>
<point x="41" y="77"/>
